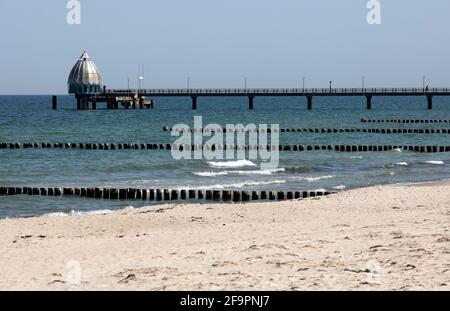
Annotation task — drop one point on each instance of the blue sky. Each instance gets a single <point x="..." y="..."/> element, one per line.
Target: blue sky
<point x="218" y="43"/>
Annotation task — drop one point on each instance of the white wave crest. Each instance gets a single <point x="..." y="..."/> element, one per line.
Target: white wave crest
<point x="232" y="164"/>
<point x="340" y="187"/>
<point x="237" y="185"/>
<point x="79" y="213"/>
<point x="435" y="162"/>
<point x="313" y="179"/>
<point x="225" y="173"/>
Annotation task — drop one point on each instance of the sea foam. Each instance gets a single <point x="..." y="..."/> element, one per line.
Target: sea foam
<point x="313" y="179"/>
<point x="79" y="213"/>
<point x="435" y="162"/>
<point x="238" y="185"/>
<point x="232" y="164"/>
<point x="226" y="173"/>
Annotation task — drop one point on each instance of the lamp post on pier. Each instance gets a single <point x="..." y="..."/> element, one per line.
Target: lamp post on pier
<point x="303" y="80"/>
<point x="363" y="84"/>
<point x="423" y="83"/>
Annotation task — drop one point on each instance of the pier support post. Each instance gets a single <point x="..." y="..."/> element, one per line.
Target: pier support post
<point x="369" y="101"/>
<point x="430" y="102"/>
<point x="310" y="98"/>
<point x="135" y="100"/>
<point x="54" y="102"/>
<point x="85" y="103"/>
<point x="250" y="102"/>
<point x="78" y="103"/>
<point x="94" y="104"/>
<point x="194" y="102"/>
<point x="142" y="102"/>
<point x="108" y="104"/>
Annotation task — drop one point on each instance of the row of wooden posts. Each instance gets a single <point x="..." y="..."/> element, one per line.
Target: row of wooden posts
<point x="319" y="130"/>
<point x="189" y="147"/>
<point x="406" y="121"/>
<point x="164" y="194"/>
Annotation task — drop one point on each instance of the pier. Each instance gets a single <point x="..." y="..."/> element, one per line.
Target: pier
<point x="308" y="93"/>
<point x="85" y="83"/>
<point x="136" y="99"/>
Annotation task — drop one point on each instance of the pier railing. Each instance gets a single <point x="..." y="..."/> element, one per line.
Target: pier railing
<point x="281" y="91"/>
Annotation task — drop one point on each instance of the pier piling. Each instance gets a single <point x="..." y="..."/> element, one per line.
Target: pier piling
<point x="194" y="102"/>
<point x="250" y="102"/>
<point x="310" y="99"/>
<point x="369" y="102"/>
<point x="430" y="102"/>
<point x="54" y="102"/>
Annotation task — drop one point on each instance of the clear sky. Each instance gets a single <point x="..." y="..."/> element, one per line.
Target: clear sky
<point x="218" y="43"/>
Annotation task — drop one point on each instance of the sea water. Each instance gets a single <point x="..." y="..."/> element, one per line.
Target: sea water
<point x="30" y="119"/>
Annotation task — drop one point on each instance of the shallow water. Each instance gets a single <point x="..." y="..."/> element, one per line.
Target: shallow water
<point x="30" y="119"/>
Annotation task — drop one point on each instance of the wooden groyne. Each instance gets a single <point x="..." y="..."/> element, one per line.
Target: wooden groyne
<point x="323" y="130"/>
<point x="405" y="121"/>
<point x="193" y="147"/>
<point x="162" y="194"/>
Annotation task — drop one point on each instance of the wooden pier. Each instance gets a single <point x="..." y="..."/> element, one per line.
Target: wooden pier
<point x="310" y="93"/>
<point x="136" y="99"/>
<point x="85" y="83"/>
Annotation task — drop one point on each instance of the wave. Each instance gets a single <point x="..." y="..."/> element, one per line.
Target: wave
<point x="232" y="164"/>
<point x="393" y="165"/>
<point x="226" y="173"/>
<point x="340" y="187"/>
<point x="356" y="157"/>
<point x="435" y="162"/>
<point x="313" y="179"/>
<point x="236" y="185"/>
<point x="402" y="164"/>
<point x="79" y="213"/>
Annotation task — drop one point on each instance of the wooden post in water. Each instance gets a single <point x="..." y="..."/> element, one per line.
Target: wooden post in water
<point x="430" y="102"/>
<point x="310" y="98"/>
<point x="369" y="101"/>
<point x="78" y="103"/>
<point x="85" y="103"/>
<point x="250" y="102"/>
<point x="54" y="102"/>
<point x="194" y="102"/>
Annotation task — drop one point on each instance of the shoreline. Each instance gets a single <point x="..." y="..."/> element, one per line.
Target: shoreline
<point x="76" y="213"/>
<point x="373" y="238"/>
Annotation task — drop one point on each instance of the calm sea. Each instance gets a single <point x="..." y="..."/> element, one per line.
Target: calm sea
<point x="30" y="119"/>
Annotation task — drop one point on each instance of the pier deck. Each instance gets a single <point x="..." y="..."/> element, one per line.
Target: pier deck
<point x="132" y="98"/>
<point x="309" y="93"/>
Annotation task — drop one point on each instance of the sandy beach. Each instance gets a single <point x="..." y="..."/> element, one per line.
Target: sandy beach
<point x="377" y="238"/>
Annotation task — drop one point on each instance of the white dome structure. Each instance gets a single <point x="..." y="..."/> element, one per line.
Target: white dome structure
<point x="84" y="78"/>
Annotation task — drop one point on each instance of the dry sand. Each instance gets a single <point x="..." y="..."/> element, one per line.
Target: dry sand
<point x="386" y="237"/>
